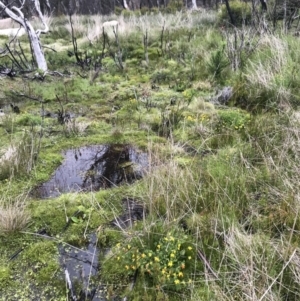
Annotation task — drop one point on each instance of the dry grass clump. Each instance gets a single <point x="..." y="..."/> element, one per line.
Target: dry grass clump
<point x="13" y="214"/>
<point x="269" y="70"/>
<point x="264" y="71"/>
<point x="171" y="189"/>
<point x="92" y="29"/>
<point x="37" y="24"/>
<point x="76" y="127"/>
<point x="254" y="266"/>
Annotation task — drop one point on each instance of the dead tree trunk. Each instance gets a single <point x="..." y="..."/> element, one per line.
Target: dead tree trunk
<point x="194" y="4"/>
<point x="17" y="15"/>
<point x="232" y="21"/>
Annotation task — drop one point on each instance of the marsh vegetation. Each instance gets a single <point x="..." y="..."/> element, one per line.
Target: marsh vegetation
<point x="213" y="110"/>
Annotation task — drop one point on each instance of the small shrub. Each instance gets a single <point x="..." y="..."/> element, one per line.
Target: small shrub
<point x="60" y="32"/>
<point x="217" y="63"/>
<point x="241" y="12"/>
<point x="118" y="11"/>
<point x="144" y="10"/>
<point x="8" y="123"/>
<point x="174" y="6"/>
<point x="162" y="76"/>
<point x="232" y="119"/>
<point x="28" y="119"/>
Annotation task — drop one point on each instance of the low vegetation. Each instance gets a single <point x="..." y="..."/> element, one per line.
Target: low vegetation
<point x="216" y="111"/>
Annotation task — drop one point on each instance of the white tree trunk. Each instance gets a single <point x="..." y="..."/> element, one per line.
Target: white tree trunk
<point x="194" y="2"/>
<point x="125" y="4"/>
<point x="16" y="14"/>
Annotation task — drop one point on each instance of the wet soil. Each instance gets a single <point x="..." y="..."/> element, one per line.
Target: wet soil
<point x="81" y="265"/>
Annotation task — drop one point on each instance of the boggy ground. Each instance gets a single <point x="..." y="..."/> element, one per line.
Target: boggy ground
<point x="220" y="192"/>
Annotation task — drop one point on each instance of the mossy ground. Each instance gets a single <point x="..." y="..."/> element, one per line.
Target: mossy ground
<point x="224" y="174"/>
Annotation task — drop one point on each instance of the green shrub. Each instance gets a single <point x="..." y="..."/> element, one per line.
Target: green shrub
<point x="118" y="11"/>
<point x="232" y="119"/>
<point x="127" y="13"/>
<point x="162" y="76"/>
<point x="163" y="258"/>
<point x="174" y="6"/>
<point x="217" y="63"/>
<point x="60" y="32"/>
<point x="241" y="13"/>
<point x="144" y="10"/>
<point x="28" y="119"/>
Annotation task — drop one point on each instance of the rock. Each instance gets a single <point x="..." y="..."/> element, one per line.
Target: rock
<point x="222" y="97"/>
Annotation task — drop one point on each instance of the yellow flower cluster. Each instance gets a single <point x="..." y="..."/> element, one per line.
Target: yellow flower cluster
<point x="204" y="117"/>
<point x="166" y="264"/>
<point x="190" y="118"/>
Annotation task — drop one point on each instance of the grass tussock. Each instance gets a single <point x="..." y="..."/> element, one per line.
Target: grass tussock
<point x="19" y="158"/>
<point x="13" y="215"/>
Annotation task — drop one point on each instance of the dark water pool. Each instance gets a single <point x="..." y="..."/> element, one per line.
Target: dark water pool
<point x="95" y="167"/>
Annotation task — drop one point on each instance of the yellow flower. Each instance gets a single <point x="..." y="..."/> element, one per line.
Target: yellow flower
<point x="156" y="259"/>
<point x="172" y="238"/>
<point x="180" y="274"/>
<point x="183" y="266"/>
<point x="118" y="245"/>
<point x="163" y="271"/>
<point x="129" y="246"/>
<point x="150" y="254"/>
<point x="166" y="239"/>
<point x="158" y="246"/>
<point x="170" y="264"/>
<point x="190" y="257"/>
<point x="190" y="281"/>
<point x="126" y="267"/>
<point x="190" y="248"/>
<point x="172" y="255"/>
<point x="179" y="245"/>
<point x="177" y="281"/>
<point x="133" y="267"/>
<point x="144" y="255"/>
<point x="118" y="258"/>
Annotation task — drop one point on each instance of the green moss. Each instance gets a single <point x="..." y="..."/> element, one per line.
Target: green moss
<point x="5" y="275"/>
<point x="42" y="261"/>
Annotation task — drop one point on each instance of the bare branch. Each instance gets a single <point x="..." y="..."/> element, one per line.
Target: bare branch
<point x="41" y="16"/>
